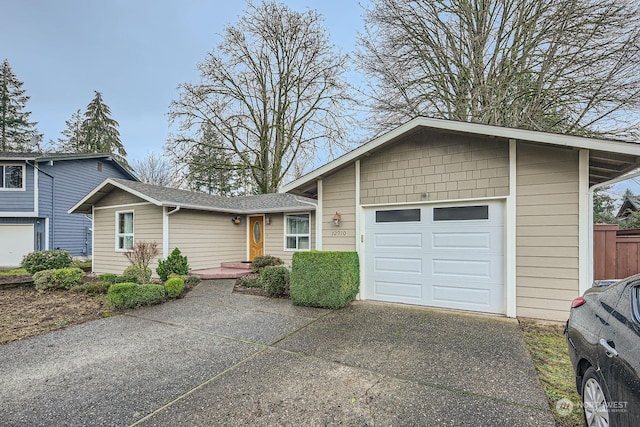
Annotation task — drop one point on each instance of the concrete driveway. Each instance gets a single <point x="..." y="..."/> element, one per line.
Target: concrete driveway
<point x="217" y="358"/>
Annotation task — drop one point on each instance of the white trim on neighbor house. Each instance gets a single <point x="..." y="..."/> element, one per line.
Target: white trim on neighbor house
<point x="46" y="237"/>
<point x="93" y="239"/>
<point x="118" y="235"/>
<point x="319" y="224"/>
<point x="36" y="191"/>
<point x="126" y="205"/>
<point x="510" y="219"/>
<point x="584" y="226"/>
<point x="470" y="128"/>
<point x="20" y="214"/>
<point x="284" y="232"/>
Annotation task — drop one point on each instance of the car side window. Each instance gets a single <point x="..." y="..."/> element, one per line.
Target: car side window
<point x="635" y="304"/>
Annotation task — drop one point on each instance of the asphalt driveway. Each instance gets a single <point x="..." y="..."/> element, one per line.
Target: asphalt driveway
<point x="217" y="358"/>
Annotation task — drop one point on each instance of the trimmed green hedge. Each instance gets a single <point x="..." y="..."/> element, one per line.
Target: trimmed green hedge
<point x="324" y="279"/>
<point x="46" y="260"/>
<point x="129" y="295"/>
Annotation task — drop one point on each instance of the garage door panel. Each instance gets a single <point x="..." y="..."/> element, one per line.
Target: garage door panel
<point x="398" y="240"/>
<point x="399" y="292"/>
<point x="395" y="265"/>
<point x="16" y="240"/>
<point x="443" y="263"/>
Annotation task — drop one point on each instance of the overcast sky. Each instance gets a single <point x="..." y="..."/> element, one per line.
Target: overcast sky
<point x="136" y="52"/>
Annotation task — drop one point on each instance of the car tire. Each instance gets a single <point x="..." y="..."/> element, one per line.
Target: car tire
<point x="595" y="401"/>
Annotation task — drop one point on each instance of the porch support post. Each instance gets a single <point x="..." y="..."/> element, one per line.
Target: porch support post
<point x="585" y="221"/>
<point x="319" y="217"/>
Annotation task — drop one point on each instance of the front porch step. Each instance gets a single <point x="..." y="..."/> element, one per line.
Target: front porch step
<point x="237" y="264"/>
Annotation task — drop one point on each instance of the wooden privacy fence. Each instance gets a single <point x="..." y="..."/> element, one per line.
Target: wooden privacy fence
<point x="616" y="253"/>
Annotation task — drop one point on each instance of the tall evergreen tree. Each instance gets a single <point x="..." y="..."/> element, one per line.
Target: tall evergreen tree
<point x="17" y="133"/>
<point x="99" y="132"/>
<point x="71" y="140"/>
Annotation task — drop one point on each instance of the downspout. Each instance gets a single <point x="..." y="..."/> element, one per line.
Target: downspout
<point x="53" y="210"/>
<point x="590" y="212"/>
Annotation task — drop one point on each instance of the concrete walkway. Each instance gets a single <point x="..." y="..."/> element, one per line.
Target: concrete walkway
<point x="217" y="358"/>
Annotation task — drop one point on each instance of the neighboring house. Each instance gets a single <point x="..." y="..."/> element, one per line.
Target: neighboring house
<point x="209" y="230"/>
<point x="468" y="216"/>
<point x="630" y="204"/>
<point x="442" y="213"/>
<point x="36" y="192"/>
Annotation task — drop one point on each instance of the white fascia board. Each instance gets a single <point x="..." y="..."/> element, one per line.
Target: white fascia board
<point x="472" y="128"/>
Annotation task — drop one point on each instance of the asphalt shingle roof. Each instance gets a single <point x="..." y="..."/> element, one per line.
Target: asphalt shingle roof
<point x="166" y="196"/>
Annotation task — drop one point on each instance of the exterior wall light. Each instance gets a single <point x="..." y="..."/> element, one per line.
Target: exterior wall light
<point x="236" y="220"/>
<point x="267" y="220"/>
<point x="336" y="219"/>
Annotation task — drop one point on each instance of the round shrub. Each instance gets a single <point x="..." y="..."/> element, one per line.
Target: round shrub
<point x="174" y="287"/>
<point x="108" y="278"/>
<point x="252" y="280"/>
<point x="142" y="274"/>
<point x="46" y="260"/>
<point x="275" y="280"/>
<point x="261" y="262"/>
<point x="149" y="294"/>
<point x="175" y="263"/>
<point x="44" y="280"/>
<point x="66" y="278"/>
<point x="123" y="295"/>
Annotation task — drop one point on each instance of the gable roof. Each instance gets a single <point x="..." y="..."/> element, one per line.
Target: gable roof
<point x="51" y="157"/>
<point x="630" y="204"/>
<point x="609" y="159"/>
<point x="172" y="197"/>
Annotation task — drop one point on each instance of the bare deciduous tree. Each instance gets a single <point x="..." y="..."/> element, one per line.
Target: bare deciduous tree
<point x="566" y="66"/>
<point x="272" y="91"/>
<point x="154" y="169"/>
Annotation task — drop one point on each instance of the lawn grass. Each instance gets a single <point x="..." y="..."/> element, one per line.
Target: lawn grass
<point x="14" y="272"/>
<point x="550" y="355"/>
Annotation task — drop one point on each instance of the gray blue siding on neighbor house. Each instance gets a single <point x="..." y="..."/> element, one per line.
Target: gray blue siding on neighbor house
<point x="72" y="180"/>
<point x="18" y="200"/>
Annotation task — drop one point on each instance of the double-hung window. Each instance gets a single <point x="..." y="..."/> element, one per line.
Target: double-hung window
<point x="296" y="232"/>
<point x="11" y="177"/>
<point x="124" y="231"/>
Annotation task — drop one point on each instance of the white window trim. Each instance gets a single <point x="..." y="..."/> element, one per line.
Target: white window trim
<point x="24" y="177"/>
<point x="118" y="235"/>
<point x="297" y="235"/>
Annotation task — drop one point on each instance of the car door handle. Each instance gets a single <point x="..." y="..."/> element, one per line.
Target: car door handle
<point x="609" y="351"/>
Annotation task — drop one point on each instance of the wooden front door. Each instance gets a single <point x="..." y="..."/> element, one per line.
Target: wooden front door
<point x="256" y="237"/>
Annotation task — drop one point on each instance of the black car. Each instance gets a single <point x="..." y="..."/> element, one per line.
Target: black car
<point x="603" y="335"/>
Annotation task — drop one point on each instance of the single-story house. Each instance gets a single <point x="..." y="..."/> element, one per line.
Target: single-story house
<point x="36" y="192"/>
<point x="442" y="213"/>
<point x="209" y="230"/>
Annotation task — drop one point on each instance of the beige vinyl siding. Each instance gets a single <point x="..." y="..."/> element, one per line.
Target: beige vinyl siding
<point x="207" y="238"/>
<point x="445" y="166"/>
<point x="147" y="226"/>
<point x="274" y="236"/>
<point x="339" y="195"/>
<point x="118" y="197"/>
<point x="546" y="231"/>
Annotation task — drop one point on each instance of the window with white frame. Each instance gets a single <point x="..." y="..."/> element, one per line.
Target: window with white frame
<point x="124" y="231"/>
<point x="296" y="232"/>
<point x="11" y="177"/>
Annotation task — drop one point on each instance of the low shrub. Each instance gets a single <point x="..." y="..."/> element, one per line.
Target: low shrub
<point x="150" y="294"/>
<point x="189" y="280"/>
<point x="142" y="274"/>
<point x="108" y="278"/>
<point x="44" y="280"/>
<point x="261" y="262"/>
<point x="175" y="263"/>
<point x="46" y="260"/>
<point x="128" y="278"/>
<point x="97" y="288"/>
<point x="324" y="279"/>
<point x="275" y="280"/>
<point x="129" y="295"/>
<point x="123" y="295"/>
<point x="66" y="278"/>
<point x="174" y="287"/>
<point x="252" y="280"/>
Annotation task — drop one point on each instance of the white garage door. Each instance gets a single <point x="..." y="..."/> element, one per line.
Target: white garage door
<point x="437" y="255"/>
<point x="15" y="242"/>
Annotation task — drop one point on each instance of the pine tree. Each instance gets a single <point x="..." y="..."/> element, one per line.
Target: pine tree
<point x="17" y="133"/>
<point x="71" y="140"/>
<point x="99" y="132"/>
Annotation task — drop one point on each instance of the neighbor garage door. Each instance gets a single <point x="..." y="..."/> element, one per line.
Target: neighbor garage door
<point x="15" y="242"/>
<point x="437" y="255"/>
